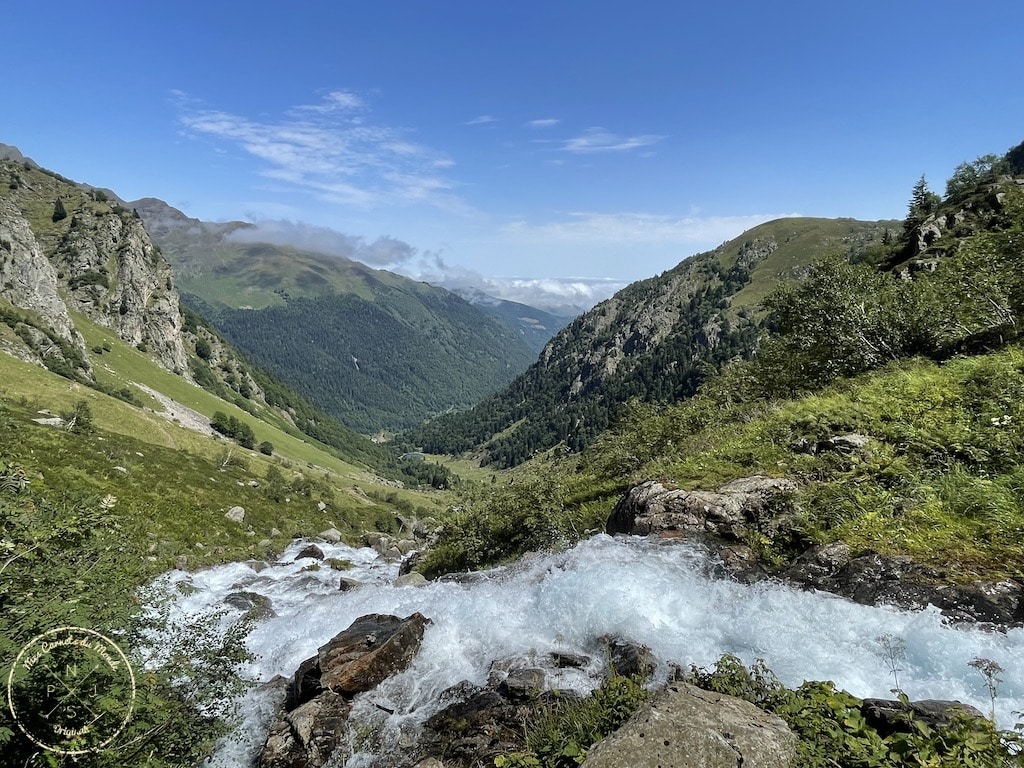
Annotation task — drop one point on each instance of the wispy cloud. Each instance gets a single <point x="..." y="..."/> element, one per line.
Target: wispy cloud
<point x="331" y="149"/>
<point x="482" y="120"/>
<point x="544" y="122"/>
<point x="334" y="101"/>
<point x="636" y="228"/>
<point x="595" y="140"/>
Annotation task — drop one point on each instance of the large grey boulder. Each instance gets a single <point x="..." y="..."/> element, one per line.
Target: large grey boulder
<point x="686" y="727"/>
<point x="729" y="512"/>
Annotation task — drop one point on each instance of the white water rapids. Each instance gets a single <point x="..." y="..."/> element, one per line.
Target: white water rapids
<point x="669" y="597"/>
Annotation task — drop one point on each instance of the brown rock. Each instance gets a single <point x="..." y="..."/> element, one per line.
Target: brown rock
<point x="373" y="648"/>
<point x="310" y="550"/>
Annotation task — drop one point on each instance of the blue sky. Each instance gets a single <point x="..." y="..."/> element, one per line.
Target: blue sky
<point x="533" y="139"/>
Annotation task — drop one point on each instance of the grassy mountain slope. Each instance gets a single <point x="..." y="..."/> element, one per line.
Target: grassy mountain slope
<point x="655" y="340"/>
<point x="236" y="273"/>
<point x="373" y="349"/>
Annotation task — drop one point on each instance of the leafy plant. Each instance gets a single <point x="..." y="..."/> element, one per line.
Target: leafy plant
<point x="562" y="734"/>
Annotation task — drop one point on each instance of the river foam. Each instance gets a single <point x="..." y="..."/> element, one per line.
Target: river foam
<point x="671" y="597"/>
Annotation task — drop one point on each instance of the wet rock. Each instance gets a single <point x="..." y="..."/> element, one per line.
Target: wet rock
<point x="686" y="727"/>
<point x="819" y="563"/>
<point x="408" y="565"/>
<point x="317" y="699"/>
<point x="475" y="729"/>
<point x="410" y="580"/>
<point x="563" y="660"/>
<point x="999" y="602"/>
<point x="741" y="563"/>
<point x="254" y="605"/>
<point x="871" y="578"/>
<point x="523" y="684"/>
<point x="310" y="550"/>
<point x="347" y="584"/>
<point x="889" y="716"/>
<point x="373" y="648"/>
<point x="308" y="735"/>
<point x="627" y="658"/>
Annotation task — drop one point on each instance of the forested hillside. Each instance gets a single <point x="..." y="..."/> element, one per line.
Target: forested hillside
<point x="384" y="363"/>
<point x="655" y="340"/>
<point x="536" y="326"/>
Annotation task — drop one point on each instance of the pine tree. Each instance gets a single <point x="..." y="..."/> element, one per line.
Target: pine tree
<point x="922" y="205"/>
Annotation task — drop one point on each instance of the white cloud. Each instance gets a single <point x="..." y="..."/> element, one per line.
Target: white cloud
<point x="482" y="120"/>
<point x="545" y="122"/>
<point x="330" y="151"/>
<point x="636" y="228"/>
<point x="600" y="140"/>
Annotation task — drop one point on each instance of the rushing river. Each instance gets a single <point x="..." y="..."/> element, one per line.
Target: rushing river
<point x="669" y="597"/>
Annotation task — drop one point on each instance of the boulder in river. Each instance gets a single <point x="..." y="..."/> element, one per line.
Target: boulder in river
<point x="312" y="727"/>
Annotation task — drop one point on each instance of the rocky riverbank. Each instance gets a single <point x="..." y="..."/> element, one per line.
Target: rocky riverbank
<point x="726" y="518"/>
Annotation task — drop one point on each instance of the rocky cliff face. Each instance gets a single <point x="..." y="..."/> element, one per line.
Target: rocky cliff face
<point x="67" y="248"/>
<point x="138" y="299"/>
<point x="27" y="278"/>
